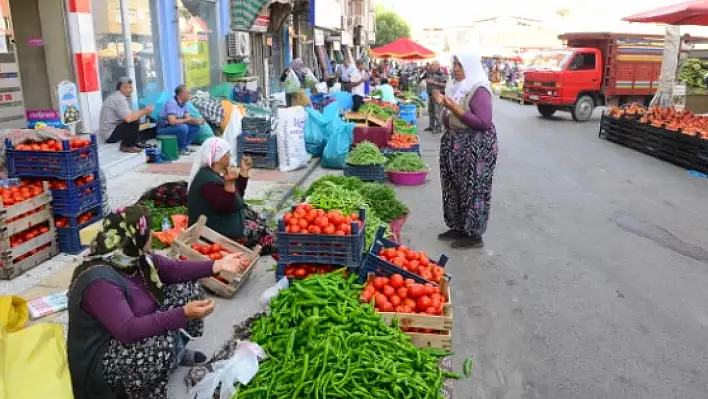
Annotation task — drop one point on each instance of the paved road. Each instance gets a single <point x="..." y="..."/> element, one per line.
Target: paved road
<point x="594" y="280"/>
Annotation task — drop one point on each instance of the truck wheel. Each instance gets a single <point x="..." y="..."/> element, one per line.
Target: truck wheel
<point x="582" y="110"/>
<point x="546" y="110"/>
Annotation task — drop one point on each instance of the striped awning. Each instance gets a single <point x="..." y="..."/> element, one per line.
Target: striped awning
<point x="244" y="13"/>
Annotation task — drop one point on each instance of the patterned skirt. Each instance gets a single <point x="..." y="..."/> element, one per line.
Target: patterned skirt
<point x="142" y="369"/>
<point x="467" y="161"/>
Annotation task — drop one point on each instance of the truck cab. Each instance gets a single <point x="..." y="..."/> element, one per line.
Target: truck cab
<point x="565" y="80"/>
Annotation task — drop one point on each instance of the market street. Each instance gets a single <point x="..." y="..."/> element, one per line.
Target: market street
<point x="592" y="281"/>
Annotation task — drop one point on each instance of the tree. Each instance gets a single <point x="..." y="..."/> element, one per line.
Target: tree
<point x="390" y="26"/>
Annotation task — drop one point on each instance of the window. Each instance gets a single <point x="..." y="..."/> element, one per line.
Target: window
<point x="583" y="62"/>
<point x="199" y="43"/>
<point x="110" y="45"/>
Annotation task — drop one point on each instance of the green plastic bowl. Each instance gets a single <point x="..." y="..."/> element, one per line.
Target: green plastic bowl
<point x="235" y="71"/>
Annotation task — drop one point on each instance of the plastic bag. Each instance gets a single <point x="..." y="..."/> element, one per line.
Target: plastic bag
<point x="345" y="100"/>
<point x="337" y="147"/>
<point x="232" y="131"/>
<point x="158" y="100"/>
<point x="272" y="291"/>
<point x="205" y="131"/>
<point x="292" y="154"/>
<point x="241" y="368"/>
<point x="292" y="83"/>
<point x="317" y="128"/>
<point x="310" y="80"/>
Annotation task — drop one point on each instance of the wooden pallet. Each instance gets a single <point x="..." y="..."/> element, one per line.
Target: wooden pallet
<point x="200" y="234"/>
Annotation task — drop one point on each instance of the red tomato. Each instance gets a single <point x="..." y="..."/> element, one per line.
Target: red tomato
<point x="395" y="300"/>
<point x="430" y="289"/>
<point x="416" y="291"/>
<point x="409" y="303"/>
<point x="365" y="297"/>
<point x="303" y="224"/>
<point x="389" y="291"/>
<point x="396" y="281"/>
<point x="423" y="303"/>
<point x="287" y="217"/>
<point x="379" y="283"/>
<point x="300" y="272"/>
<point x="329" y="230"/>
<point x="408" y="282"/>
<point x="402" y="292"/>
<point x="387" y="307"/>
<point x="424" y="259"/>
<point x="431" y="310"/>
<point x="215" y="248"/>
<point x="380" y="300"/>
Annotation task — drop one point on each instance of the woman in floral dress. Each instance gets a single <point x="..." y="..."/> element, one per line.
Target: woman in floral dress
<point x="468" y="152"/>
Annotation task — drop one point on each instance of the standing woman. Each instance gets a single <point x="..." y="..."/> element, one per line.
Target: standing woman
<point x="468" y="152"/>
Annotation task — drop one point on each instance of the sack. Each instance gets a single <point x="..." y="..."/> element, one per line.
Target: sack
<point x="292" y="83"/>
<point x="317" y="128"/>
<point x="338" y="144"/>
<point x="292" y="154"/>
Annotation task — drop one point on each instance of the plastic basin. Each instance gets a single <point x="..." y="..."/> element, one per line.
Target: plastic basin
<point x="408" y="178"/>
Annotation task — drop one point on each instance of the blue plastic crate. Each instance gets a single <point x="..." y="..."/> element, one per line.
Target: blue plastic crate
<point x="373" y="264"/>
<point x="269" y="146"/>
<point x="246" y="96"/>
<point x="402" y="107"/>
<point x="321" y="248"/>
<point x="374" y="173"/>
<point x="389" y="151"/>
<point x="69" y="238"/>
<point x="77" y="199"/>
<point x="409" y="117"/>
<point x="280" y="271"/>
<point x="66" y="164"/>
<point x="261" y="161"/>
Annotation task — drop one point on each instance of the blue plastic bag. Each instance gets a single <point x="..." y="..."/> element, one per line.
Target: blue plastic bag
<point x="337" y="147"/>
<point x="345" y="100"/>
<point x="423" y="95"/>
<point x="205" y="130"/>
<point x="158" y="99"/>
<point x="318" y="126"/>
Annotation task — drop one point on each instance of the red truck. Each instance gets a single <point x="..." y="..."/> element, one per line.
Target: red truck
<point x="594" y="69"/>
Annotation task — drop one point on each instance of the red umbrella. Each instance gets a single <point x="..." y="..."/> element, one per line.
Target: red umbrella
<point x="687" y="13"/>
<point x="404" y="49"/>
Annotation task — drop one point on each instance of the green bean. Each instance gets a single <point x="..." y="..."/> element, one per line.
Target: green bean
<point x="406" y="162"/>
<point x="366" y="153"/>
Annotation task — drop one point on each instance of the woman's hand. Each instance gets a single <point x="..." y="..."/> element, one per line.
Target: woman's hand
<point x="438" y="97"/>
<point x="230" y="174"/>
<point x="232" y="263"/>
<point x="197" y="310"/>
<point x="246" y="165"/>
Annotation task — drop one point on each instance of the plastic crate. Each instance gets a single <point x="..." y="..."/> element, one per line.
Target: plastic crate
<point x="260" y="161"/>
<point x="373" y="173"/>
<point x="246" y="96"/>
<point x="374" y="264"/>
<point x="321" y="248"/>
<point x="268" y="146"/>
<point x="77" y="199"/>
<point x="414" y="148"/>
<point x="280" y="271"/>
<point x="69" y="238"/>
<point x="66" y="164"/>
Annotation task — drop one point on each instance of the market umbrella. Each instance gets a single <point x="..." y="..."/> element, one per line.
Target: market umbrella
<point x="687" y="13"/>
<point x="403" y="49"/>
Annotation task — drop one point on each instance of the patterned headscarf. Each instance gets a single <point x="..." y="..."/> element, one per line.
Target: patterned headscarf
<point x="121" y="244"/>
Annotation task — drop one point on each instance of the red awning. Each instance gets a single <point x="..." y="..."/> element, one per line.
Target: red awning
<point x="403" y="49"/>
<point x="687" y="13"/>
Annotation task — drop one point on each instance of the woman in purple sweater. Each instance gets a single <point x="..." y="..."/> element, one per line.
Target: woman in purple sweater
<point x="131" y="313"/>
<point x="468" y="152"/>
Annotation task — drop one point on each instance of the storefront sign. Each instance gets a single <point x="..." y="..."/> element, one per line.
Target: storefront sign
<point x="347" y="38"/>
<point x="42" y="115"/>
<point x="196" y="63"/>
<point x="6" y="98"/>
<point x="319" y="38"/>
<point x="68" y="97"/>
<point x="35" y="41"/>
<point x="260" y="25"/>
<point x="326" y="14"/>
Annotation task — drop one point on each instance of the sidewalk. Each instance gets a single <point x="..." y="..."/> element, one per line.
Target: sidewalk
<point x="267" y="190"/>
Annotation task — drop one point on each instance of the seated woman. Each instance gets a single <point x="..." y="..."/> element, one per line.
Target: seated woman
<point x="129" y="309"/>
<point x="216" y="189"/>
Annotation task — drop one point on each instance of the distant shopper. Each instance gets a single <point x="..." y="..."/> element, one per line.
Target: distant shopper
<point x="176" y="121"/>
<point x="358" y="79"/>
<point x="345" y="77"/>
<point x="117" y="121"/>
<point x="387" y="93"/>
<point x="435" y="80"/>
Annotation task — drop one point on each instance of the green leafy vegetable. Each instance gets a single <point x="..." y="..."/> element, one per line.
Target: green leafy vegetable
<point x="383" y="201"/>
<point x="366" y="153"/>
<point x="377" y="110"/>
<point x="349" y="183"/>
<point x="406" y="162"/>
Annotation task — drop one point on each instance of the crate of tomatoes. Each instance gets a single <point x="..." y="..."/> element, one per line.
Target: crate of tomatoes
<point x="422" y="311"/>
<point x="75" y="196"/>
<point x="299" y="271"/>
<point x="69" y="229"/>
<point x="60" y="159"/>
<point x="199" y="242"/>
<point x="309" y="235"/>
<point x="387" y="257"/>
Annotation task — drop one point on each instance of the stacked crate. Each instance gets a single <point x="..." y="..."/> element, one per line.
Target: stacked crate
<point x="72" y="171"/>
<point x="27" y="235"/>
<point x="257" y="142"/>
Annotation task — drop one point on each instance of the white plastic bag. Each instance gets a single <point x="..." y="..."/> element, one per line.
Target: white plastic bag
<point x="310" y="81"/>
<point x="232" y="131"/>
<point x="272" y="291"/>
<point x="292" y="153"/>
<point x="292" y="83"/>
<point x="241" y="368"/>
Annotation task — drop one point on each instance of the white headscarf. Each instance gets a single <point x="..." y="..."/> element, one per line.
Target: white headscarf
<point x="475" y="77"/>
<point x="211" y="151"/>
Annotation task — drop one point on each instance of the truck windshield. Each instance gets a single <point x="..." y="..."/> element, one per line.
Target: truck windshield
<point x="550" y="60"/>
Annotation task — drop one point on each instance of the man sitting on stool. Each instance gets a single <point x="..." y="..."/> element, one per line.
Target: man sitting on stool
<point x="117" y="121"/>
<point x="176" y="121"/>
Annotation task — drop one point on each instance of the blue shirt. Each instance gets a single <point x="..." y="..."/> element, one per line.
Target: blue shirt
<point x="172" y="107"/>
<point x="387" y="93"/>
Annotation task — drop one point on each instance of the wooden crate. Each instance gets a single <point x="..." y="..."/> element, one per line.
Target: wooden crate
<point x="200" y="234"/>
<point x="438" y="341"/>
<point x="420" y="320"/>
<point x="365" y="119"/>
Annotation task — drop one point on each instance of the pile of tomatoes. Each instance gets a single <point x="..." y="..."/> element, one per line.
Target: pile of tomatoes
<point x="402" y="140"/>
<point x="53" y="145"/>
<point x="56" y="184"/>
<point x="396" y="294"/>
<point x="416" y="262"/>
<point x="16" y="194"/>
<point x="28" y="235"/>
<point x="305" y="219"/>
<point x="213" y="251"/>
<point x="305" y="270"/>
<point x="63" y="221"/>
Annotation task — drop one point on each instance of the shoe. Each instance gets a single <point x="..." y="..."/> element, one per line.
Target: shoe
<point x="131" y="150"/>
<point x="192" y="358"/>
<point x="185" y="152"/>
<point x="427" y="129"/>
<point x="468" y="242"/>
<point x="449" y="235"/>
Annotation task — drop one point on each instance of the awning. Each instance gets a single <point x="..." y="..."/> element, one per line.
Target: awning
<point x="245" y="12"/>
<point x="687" y="13"/>
<point x="403" y="49"/>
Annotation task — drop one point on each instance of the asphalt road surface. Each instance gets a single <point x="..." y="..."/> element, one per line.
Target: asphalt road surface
<point x="594" y="279"/>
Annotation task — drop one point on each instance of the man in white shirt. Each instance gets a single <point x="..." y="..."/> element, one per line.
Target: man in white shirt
<point x="358" y="77"/>
<point x="345" y="75"/>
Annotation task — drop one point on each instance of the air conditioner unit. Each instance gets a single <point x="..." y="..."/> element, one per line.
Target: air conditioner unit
<point x="239" y="44"/>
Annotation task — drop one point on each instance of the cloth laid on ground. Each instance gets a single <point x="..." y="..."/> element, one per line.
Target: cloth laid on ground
<point x="31" y="354"/>
<point x="211" y="109"/>
<point x="242" y="331"/>
<point x="205" y="130"/>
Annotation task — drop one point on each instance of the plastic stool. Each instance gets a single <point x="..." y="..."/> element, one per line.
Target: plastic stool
<point x="168" y="147"/>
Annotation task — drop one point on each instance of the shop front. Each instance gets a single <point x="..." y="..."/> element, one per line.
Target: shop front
<point x="326" y="17"/>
